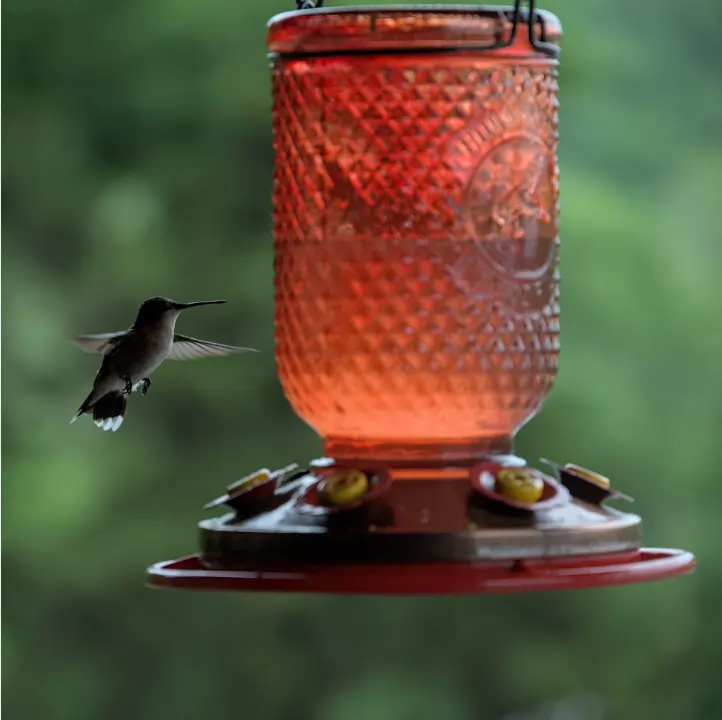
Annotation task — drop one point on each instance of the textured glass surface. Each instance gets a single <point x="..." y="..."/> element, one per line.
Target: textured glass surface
<point x="416" y="245"/>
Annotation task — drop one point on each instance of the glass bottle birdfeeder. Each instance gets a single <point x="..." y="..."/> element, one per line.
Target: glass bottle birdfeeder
<point x="417" y="319"/>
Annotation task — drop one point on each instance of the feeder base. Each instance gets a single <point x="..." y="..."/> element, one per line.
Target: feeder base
<point x="643" y="565"/>
<point x="413" y="531"/>
<point x="414" y="520"/>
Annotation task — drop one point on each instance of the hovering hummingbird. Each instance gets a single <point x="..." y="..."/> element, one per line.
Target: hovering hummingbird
<point x="130" y="356"/>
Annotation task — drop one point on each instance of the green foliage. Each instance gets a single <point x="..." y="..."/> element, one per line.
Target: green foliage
<point x="138" y="162"/>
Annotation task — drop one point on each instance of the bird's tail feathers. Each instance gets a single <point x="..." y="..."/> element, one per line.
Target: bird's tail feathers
<point x="85" y="407"/>
<point x="108" y="411"/>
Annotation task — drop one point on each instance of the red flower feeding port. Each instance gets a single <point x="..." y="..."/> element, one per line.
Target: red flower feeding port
<point x="417" y="320"/>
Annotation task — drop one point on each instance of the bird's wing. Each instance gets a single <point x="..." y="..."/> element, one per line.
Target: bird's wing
<point x="188" y="348"/>
<point x="101" y="343"/>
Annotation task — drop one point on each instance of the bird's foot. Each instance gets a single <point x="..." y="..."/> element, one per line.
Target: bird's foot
<point x="128" y="389"/>
<point x="145" y="385"/>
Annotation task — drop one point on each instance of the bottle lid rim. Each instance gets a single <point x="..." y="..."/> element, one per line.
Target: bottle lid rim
<point x="411" y="28"/>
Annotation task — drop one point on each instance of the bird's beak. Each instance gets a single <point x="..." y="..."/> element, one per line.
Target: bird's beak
<point x="185" y="306"/>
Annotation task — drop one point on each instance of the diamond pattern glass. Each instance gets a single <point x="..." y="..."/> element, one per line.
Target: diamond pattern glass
<point x="415" y="230"/>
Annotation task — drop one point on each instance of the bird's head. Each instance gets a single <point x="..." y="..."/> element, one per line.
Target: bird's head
<point x="156" y="309"/>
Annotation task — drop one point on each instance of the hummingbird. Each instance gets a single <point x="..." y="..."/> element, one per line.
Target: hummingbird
<point x="130" y="356"/>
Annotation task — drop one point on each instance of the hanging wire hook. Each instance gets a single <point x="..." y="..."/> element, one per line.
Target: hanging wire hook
<point x="308" y="4"/>
<point x="540" y="44"/>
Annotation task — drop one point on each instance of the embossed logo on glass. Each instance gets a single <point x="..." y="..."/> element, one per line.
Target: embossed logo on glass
<point x="506" y="208"/>
<point x="507" y="211"/>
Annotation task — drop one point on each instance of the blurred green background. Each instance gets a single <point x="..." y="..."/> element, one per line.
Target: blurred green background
<point x="138" y="162"/>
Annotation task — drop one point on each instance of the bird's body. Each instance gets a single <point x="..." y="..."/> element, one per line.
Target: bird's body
<point x="134" y="356"/>
<point x="131" y="356"/>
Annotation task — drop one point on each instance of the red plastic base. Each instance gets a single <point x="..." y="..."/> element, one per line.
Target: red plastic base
<point x="432" y="579"/>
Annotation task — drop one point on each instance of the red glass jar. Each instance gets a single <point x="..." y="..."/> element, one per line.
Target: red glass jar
<point x="415" y="228"/>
